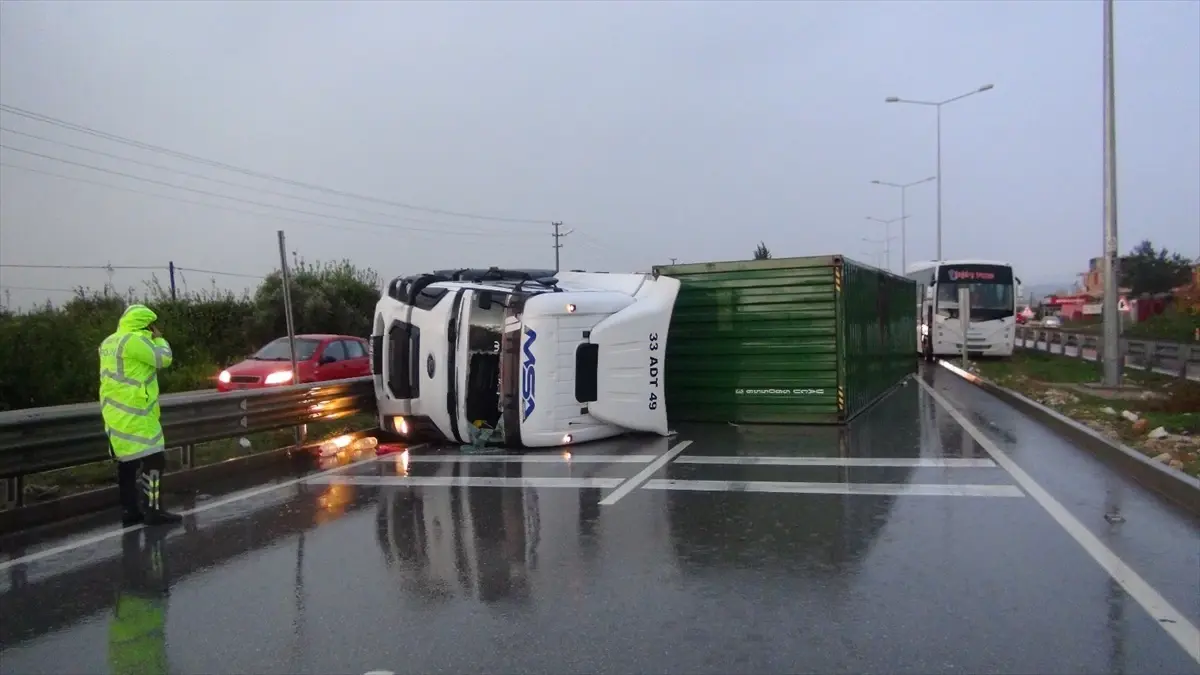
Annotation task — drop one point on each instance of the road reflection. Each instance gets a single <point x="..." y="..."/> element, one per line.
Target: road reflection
<point x="811" y="534"/>
<point x="479" y="543"/>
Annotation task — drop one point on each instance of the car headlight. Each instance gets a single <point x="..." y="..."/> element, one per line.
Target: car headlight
<point x="279" y="377"/>
<point x="224" y="378"/>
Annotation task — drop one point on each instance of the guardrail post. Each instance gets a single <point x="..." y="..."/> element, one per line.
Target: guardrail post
<point x="1185" y="357"/>
<point x="1151" y="356"/>
<point x="187" y="456"/>
<point x="13" y="496"/>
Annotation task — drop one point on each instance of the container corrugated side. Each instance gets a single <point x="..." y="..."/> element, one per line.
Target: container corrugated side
<point x="878" y="335"/>
<point x="753" y="342"/>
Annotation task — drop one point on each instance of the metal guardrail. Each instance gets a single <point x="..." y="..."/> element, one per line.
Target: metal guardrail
<point x="1168" y="358"/>
<point x="45" y="439"/>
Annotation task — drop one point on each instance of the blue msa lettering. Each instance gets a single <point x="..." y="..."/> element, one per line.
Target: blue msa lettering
<point x="527" y="375"/>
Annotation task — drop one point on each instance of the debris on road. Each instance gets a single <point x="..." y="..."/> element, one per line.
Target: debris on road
<point x="1152" y="413"/>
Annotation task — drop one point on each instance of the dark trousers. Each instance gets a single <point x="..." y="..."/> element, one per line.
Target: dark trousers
<point x="137" y="483"/>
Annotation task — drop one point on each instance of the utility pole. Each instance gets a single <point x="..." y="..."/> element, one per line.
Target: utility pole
<point x="673" y="260"/>
<point x="286" y="280"/>
<point x="558" y="235"/>
<point x="1111" y="317"/>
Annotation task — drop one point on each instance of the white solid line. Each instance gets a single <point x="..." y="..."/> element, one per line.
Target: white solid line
<point x="889" y="489"/>
<point x="533" y="459"/>
<point x="926" y="462"/>
<point x="237" y="497"/>
<point x="643" y="475"/>
<point x="1159" y="609"/>
<point x="467" y="481"/>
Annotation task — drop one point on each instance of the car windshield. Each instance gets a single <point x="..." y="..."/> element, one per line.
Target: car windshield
<point x="278" y="350"/>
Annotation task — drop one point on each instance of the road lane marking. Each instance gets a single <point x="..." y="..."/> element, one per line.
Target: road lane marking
<point x="921" y="462"/>
<point x="236" y="497"/>
<point x="644" y="475"/>
<point x="564" y="458"/>
<point x="1166" y="616"/>
<point x="468" y="481"/>
<point x="887" y="489"/>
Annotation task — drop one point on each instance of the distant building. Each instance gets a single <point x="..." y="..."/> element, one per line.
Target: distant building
<point x="1093" y="279"/>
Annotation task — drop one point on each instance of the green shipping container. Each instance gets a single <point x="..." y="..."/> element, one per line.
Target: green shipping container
<point x="812" y="340"/>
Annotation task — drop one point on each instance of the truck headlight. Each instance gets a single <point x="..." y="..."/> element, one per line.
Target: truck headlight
<point x="224" y="377"/>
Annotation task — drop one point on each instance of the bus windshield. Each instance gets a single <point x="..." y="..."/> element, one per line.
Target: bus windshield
<point x="990" y="287"/>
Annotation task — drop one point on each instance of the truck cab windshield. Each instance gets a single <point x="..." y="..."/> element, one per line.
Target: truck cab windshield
<point x="485" y="327"/>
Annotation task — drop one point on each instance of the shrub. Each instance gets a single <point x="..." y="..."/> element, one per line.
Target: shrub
<point x="48" y="356"/>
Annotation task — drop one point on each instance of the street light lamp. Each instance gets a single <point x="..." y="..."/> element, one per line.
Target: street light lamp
<point x="938" y="106"/>
<point x="904" y="217"/>
<point x="887" y="238"/>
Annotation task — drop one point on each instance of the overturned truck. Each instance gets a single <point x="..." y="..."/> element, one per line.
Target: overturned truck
<point x="537" y="358"/>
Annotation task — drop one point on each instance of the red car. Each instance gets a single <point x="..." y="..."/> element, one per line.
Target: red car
<point x="319" y="358"/>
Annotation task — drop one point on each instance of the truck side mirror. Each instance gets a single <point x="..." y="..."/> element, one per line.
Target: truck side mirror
<point x="485" y="300"/>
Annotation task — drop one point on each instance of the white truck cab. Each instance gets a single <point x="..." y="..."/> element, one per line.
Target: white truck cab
<point x="551" y="358"/>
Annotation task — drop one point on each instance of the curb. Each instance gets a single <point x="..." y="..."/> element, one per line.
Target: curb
<point x="1175" y="486"/>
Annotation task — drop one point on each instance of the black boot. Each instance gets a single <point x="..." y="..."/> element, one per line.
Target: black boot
<point x="155" y="514"/>
<point x="130" y="493"/>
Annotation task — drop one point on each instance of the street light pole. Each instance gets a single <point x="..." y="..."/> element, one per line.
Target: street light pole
<point x="887" y="238"/>
<point x="886" y="241"/>
<point x="1111" y="317"/>
<point x="903" y="187"/>
<point x="938" y="105"/>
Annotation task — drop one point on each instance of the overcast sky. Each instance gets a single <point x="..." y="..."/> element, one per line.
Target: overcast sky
<point x="654" y="130"/>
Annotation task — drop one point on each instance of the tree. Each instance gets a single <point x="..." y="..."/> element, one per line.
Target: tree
<point x="762" y="252"/>
<point x="1145" y="270"/>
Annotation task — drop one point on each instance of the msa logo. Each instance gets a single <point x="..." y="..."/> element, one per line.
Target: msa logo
<point x="527" y="375"/>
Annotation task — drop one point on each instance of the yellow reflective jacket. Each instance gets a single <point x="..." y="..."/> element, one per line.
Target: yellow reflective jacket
<point x="129" y="362"/>
<point x="137" y="641"/>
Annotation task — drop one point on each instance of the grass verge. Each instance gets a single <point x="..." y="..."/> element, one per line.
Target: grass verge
<point x="64" y="482"/>
<point x="1173" y="325"/>
<point x="1157" y="403"/>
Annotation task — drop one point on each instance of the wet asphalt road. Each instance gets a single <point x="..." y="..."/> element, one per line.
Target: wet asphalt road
<point x="898" y="545"/>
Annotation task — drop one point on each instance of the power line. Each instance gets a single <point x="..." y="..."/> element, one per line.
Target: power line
<point x="225" y="274"/>
<point x="180" y="200"/>
<point x="83" y="267"/>
<point x="243" y="186"/>
<point x="39" y="288"/>
<point x="249" y="172"/>
<point x="109" y="268"/>
<point x="252" y="202"/>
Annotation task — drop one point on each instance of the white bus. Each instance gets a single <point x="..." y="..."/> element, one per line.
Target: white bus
<point x="554" y="358"/>
<point x="991" y="327"/>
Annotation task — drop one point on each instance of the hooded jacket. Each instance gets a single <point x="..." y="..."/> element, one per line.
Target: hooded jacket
<point x="129" y="363"/>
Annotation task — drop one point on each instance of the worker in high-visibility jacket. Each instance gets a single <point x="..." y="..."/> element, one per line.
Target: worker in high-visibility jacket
<point x="129" y="363"/>
<point x="137" y="639"/>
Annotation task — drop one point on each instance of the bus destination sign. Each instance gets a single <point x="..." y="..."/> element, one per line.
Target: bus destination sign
<point x="975" y="274"/>
<point x="971" y="275"/>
